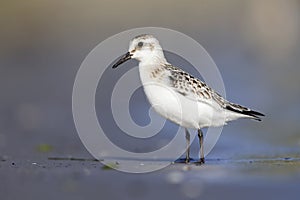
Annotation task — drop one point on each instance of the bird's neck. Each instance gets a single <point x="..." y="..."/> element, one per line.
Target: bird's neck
<point x="151" y="66"/>
<point x="155" y="57"/>
<point x="151" y="71"/>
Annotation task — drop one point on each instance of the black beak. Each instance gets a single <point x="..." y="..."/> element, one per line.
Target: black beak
<point x="123" y="59"/>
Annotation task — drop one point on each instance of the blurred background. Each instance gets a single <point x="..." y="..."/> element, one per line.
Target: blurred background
<point x="255" y="44"/>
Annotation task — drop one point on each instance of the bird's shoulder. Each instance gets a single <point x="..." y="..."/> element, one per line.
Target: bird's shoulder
<point x="191" y="87"/>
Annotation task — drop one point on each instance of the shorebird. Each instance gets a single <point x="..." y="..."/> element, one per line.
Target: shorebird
<point x="177" y="95"/>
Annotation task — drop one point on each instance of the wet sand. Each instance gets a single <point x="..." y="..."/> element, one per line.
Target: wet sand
<point x="78" y="178"/>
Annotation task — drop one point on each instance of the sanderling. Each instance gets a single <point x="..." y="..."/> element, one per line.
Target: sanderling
<point x="177" y="95"/>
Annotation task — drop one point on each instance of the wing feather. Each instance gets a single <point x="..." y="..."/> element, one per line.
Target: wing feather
<point x="196" y="90"/>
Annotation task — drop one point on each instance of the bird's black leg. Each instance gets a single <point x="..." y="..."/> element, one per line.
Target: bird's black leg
<point x="200" y="135"/>
<point x="187" y="137"/>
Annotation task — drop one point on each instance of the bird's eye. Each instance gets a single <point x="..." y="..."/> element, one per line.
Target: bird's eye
<point x="140" y="44"/>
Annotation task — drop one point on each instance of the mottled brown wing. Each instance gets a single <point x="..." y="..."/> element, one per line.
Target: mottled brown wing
<point x="187" y="85"/>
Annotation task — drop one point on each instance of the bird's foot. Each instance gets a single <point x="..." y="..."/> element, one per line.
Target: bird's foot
<point x="201" y="161"/>
<point x="184" y="160"/>
<point x="187" y="160"/>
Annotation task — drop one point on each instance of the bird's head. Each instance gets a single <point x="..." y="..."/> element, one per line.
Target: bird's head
<point x="144" y="48"/>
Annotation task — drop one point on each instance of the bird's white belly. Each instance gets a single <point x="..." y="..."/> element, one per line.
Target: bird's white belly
<point x="177" y="108"/>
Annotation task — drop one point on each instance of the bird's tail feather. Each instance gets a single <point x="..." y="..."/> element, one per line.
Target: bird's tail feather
<point x="245" y="111"/>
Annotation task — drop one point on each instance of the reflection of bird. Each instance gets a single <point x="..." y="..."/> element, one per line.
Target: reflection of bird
<point x="178" y="96"/>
